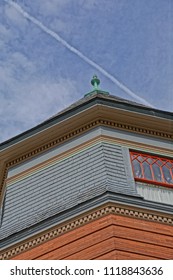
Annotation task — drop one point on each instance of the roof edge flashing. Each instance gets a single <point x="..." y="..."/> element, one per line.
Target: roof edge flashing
<point x="95" y="92"/>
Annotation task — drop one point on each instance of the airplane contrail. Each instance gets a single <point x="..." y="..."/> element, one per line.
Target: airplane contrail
<point x="77" y="52"/>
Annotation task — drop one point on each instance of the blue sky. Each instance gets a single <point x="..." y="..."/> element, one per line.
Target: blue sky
<point x="130" y="39"/>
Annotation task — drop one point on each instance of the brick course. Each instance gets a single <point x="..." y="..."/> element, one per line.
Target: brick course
<point x="110" y="237"/>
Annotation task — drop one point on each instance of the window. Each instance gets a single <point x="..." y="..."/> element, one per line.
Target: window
<point x="152" y="169"/>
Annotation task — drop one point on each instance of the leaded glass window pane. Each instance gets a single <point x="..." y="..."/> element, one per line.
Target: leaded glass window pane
<point x="137" y="169"/>
<point x="152" y="169"/>
<point x="147" y="171"/>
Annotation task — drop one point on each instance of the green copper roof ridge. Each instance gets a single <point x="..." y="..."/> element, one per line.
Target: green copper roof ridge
<point x="96" y="91"/>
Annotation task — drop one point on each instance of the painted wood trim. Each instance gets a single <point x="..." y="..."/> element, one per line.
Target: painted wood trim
<point x="79" y="149"/>
<point x="115" y="209"/>
<point x="73" y="134"/>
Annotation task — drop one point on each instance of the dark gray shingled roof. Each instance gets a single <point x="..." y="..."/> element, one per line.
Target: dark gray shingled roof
<point x="97" y="97"/>
<point x="98" y="94"/>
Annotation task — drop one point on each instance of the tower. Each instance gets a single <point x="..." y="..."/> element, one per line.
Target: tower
<point x="94" y="181"/>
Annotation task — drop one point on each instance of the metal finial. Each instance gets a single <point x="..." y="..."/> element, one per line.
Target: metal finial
<point x="95" y="82"/>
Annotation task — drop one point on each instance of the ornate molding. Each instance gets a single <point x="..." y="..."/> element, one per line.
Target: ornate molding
<point x="76" y="132"/>
<point x="73" y="224"/>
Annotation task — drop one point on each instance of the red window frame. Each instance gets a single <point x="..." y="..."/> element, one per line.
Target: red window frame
<point x="152" y="169"/>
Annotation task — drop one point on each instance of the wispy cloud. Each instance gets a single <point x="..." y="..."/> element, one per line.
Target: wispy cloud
<point x="77" y="52"/>
<point x="41" y="74"/>
<point x="28" y="108"/>
<point x="54" y="7"/>
<point x="26" y="96"/>
<point x="13" y="15"/>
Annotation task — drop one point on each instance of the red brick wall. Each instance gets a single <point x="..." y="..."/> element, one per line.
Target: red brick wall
<point x="110" y="237"/>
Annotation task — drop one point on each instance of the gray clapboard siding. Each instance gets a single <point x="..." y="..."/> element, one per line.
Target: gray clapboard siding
<point x="65" y="184"/>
